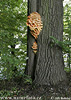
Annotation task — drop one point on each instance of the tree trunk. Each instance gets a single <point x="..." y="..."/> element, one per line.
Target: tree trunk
<point x="30" y="68"/>
<point x="47" y="66"/>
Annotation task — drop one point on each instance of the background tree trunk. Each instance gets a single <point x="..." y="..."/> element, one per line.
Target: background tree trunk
<point x="47" y="67"/>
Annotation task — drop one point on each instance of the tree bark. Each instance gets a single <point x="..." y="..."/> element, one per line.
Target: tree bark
<point x="30" y="68"/>
<point x="47" y="66"/>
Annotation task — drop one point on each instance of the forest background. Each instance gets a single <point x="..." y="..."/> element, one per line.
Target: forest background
<point x="13" y="39"/>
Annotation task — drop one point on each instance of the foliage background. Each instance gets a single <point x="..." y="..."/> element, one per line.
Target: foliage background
<point x="67" y="35"/>
<point x="13" y="14"/>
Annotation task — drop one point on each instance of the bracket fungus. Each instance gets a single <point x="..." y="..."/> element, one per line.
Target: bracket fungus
<point x="35" y="24"/>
